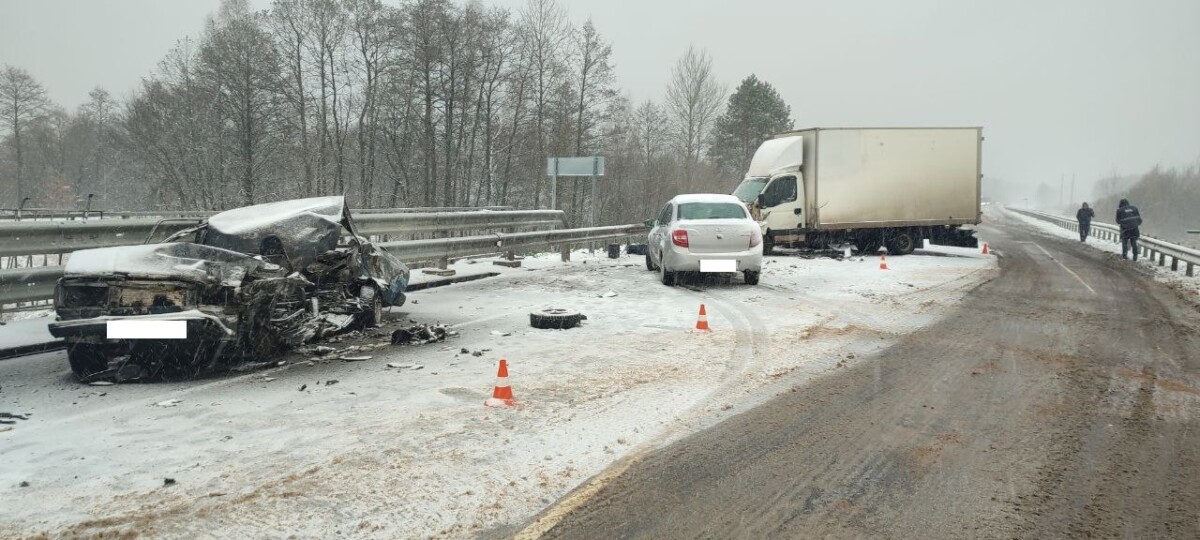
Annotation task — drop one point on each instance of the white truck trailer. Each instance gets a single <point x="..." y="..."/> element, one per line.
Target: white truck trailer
<point x="870" y="187"/>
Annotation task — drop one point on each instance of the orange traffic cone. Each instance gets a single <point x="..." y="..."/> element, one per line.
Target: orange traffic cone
<point x="985" y="249"/>
<point x="883" y="262"/>
<point x="702" y="322"/>
<point x="502" y="395"/>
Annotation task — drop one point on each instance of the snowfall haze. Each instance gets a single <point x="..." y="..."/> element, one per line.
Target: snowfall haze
<point x="1067" y="88"/>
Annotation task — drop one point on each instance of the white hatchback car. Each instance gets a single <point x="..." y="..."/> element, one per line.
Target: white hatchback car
<point x="706" y="233"/>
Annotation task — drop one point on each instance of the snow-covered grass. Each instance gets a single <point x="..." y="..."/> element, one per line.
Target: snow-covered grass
<point x="410" y="453"/>
<point x="1190" y="286"/>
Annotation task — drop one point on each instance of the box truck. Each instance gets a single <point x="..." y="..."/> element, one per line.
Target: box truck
<point x="870" y="187"/>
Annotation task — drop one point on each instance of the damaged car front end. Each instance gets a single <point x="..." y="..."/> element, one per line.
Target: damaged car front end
<point x="246" y="284"/>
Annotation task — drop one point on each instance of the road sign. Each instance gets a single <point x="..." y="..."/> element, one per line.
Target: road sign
<point x="575" y="166"/>
<point x="589" y="166"/>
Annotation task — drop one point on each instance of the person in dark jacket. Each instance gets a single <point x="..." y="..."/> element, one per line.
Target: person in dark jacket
<point x="1084" y="215"/>
<point x="1129" y="219"/>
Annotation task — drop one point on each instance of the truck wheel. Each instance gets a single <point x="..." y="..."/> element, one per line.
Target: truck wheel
<point x="86" y="359"/>
<point x="902" y="243"/>
<point x="668" y="277"/>
<point x="768" y="244"/>
<point x="751" y="277"/>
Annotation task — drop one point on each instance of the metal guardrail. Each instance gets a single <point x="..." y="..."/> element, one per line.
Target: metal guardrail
<point x="1152" y="248"/>
<point x="43" y="214"/>
<point x="28" y="284"/>
<point x="449" y="248"/>
<point x="50" y="237"/>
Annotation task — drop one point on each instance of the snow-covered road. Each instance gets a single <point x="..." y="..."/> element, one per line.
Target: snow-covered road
<point x="317" y="448"/>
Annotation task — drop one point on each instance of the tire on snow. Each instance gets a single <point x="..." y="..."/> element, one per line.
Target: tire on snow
<point x="555" y="319"/>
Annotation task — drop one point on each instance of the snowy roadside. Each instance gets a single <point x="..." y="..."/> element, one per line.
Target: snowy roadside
<point x="1188" y="286"/>
<point x="411" y="452"/>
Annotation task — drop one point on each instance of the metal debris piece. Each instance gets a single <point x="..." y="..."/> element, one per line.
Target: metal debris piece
<point x="168" y="482"/>
<point x="169" y="403"/>
<point x="419" y="334"/>
<point x="100" y="383"/>
<point x="354" y="358"/>
<point x="331" y="382"/>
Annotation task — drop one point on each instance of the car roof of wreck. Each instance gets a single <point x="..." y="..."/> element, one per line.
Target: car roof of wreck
<point x="267" y="217"/>
<point x="305" y="228"/>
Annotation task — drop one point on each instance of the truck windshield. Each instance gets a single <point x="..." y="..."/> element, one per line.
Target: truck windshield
<point x="749" y="189"/>
<point x="711" y="210"/>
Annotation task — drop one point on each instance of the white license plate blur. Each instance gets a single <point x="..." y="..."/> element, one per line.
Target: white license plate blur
<point x="146" y="329"/>
<point x="716" y="265"/>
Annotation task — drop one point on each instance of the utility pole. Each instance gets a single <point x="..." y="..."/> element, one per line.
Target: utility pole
<point x="1061" y="183"/>
<point x="1072" y="188"/>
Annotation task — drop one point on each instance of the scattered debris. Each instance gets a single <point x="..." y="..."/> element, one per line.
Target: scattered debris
<point x="268" y="379"/>
<point x="355" y="358"/>
<point x="464" y="351"/>
<point x="303" y="387"/>
<point x="169" y="403"/>
<point x="24" y="483"/>
<point x="322" y="350"/>
<point x="5" y="428"/>
<point x="420" y="334"/>
<point x="477" y="353"/>
<point x="168" y="482"/>
<point x="331" y="382"/>
<point x="405" y="366"/>
<point x="608" y="294"/>
<point x="227" y="438"/>
<point x="100" y="383"/>
<point x="501" y="334"/>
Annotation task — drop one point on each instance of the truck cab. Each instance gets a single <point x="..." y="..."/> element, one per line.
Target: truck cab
<point x="774" y="191"/>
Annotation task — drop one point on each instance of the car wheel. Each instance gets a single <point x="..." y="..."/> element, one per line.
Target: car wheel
<point x="902" y="243"/>
<point x="751" y="277"/>
<point x="650" y="261"/>
<point x="87" y="358"/>
<point x="374" y="316"/>
<point x="555" y="319"/>
<point x="668" y="277"/>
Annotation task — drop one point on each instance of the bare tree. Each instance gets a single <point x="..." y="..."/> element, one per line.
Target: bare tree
<point x="544" y="31"/>
<point x="23" y="100"/>
<point x="694" y="100"/>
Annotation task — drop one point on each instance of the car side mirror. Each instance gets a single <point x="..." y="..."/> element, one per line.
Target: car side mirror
<point x="762" y="200"/>
<point x="797" y="211"/>
<point x="649" y="223"/>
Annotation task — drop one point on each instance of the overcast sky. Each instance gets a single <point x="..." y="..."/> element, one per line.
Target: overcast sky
<point x="1060" y="87"/>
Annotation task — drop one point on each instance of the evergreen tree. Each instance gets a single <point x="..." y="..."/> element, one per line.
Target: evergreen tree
<point x="755" y="112"/>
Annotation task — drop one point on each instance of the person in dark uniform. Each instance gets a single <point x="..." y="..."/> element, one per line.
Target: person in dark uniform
<point x="1129" y="219"/>
<point x="1084" y="215"/>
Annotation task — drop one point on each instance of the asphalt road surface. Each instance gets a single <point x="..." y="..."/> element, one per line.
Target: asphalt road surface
<point x="1060" y="400"/>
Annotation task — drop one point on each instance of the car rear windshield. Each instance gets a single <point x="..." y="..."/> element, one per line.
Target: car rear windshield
<point x="711" y="210"/>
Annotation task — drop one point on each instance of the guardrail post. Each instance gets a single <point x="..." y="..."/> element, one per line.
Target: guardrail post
<point x="1190" y="268"/>
<point x="565" y="250"/>
<point x="1162" y="259"/>
<point x="1174" y="264"/>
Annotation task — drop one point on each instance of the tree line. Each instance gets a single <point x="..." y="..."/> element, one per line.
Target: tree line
<point x="429" y="103"/>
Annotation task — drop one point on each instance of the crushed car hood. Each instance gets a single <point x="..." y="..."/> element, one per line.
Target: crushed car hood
<point x="182" y="261"/>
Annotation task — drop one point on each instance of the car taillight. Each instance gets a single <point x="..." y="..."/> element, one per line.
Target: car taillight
<point x="755" y="238"/>
<point x="679" y="237"/>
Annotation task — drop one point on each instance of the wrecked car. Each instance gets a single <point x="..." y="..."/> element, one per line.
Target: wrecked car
<point x="245" y="284"/>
